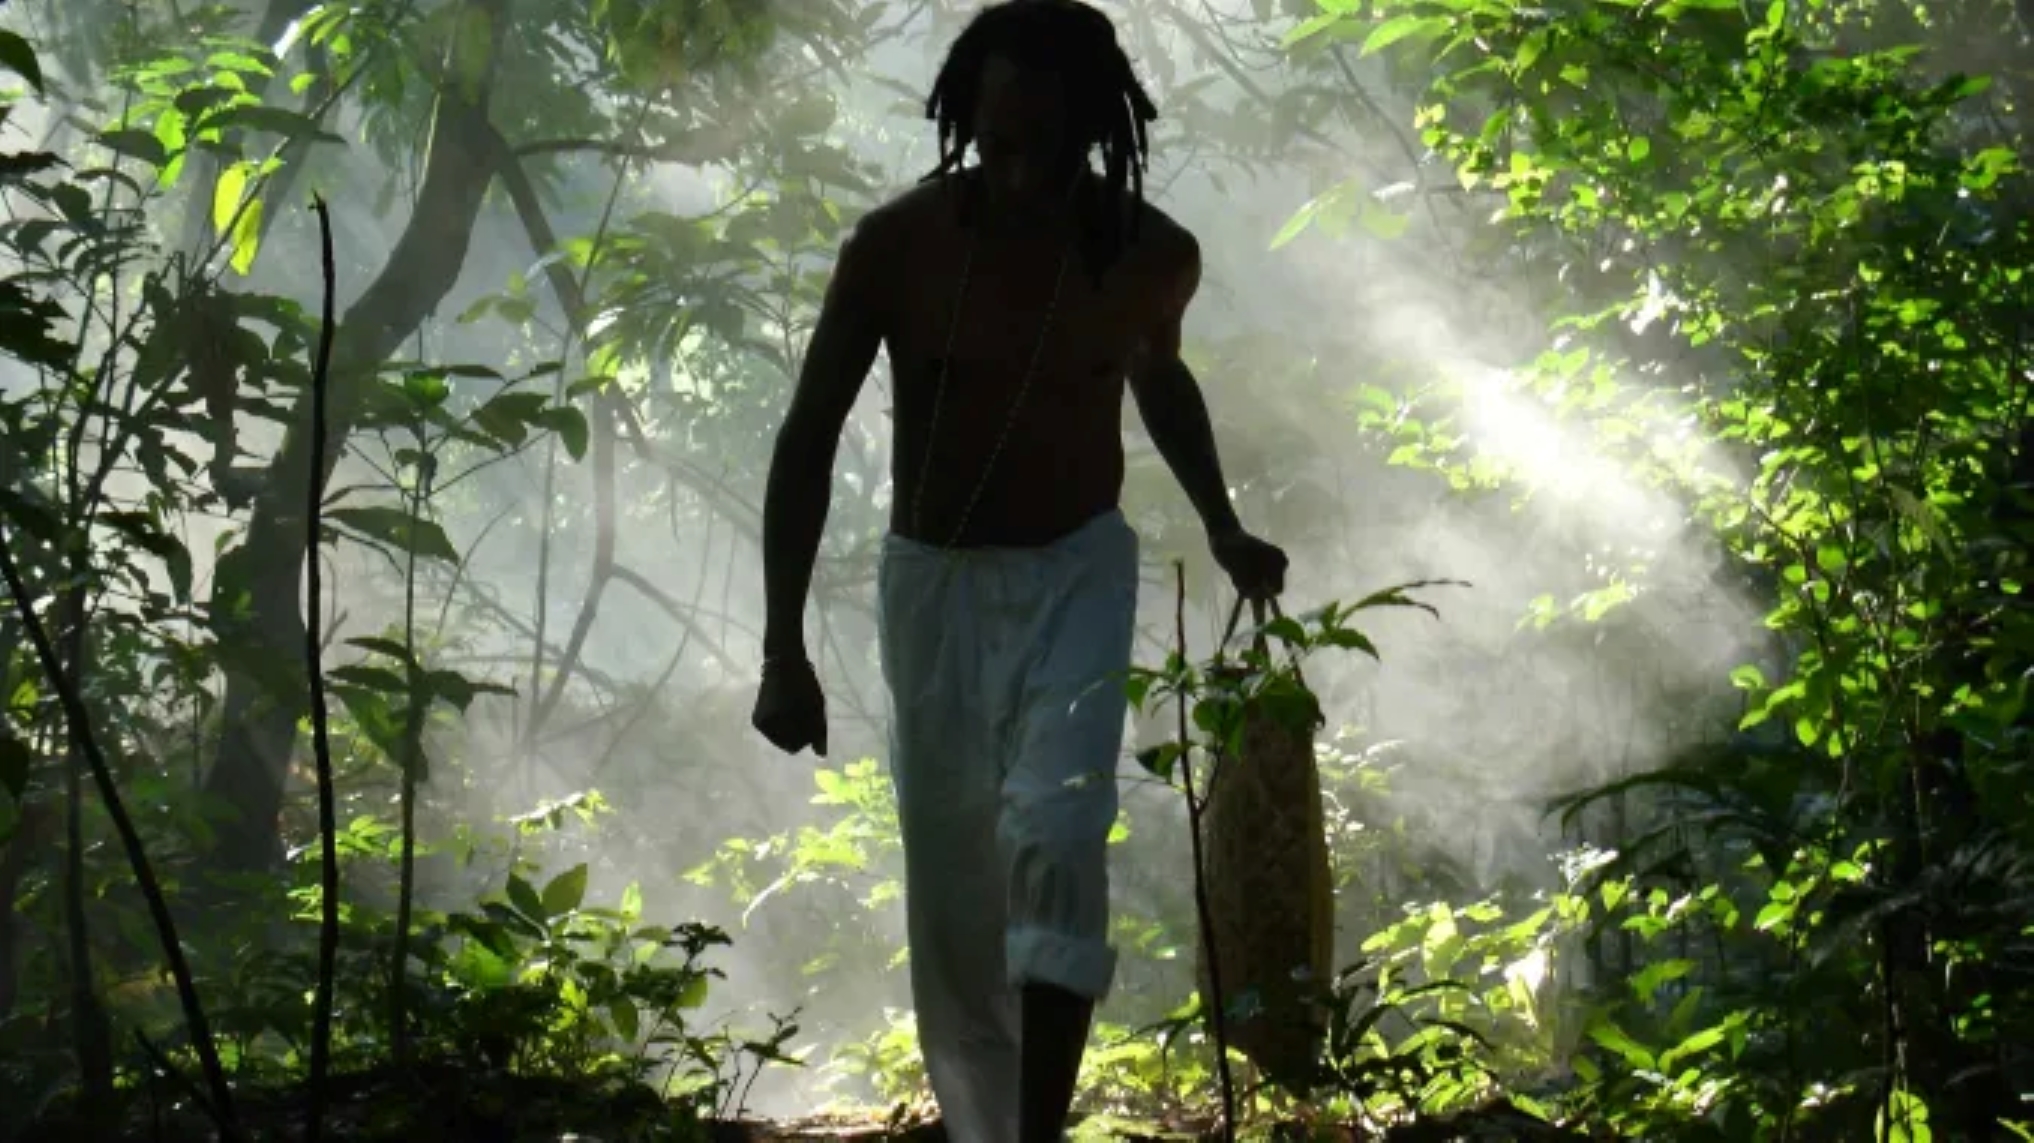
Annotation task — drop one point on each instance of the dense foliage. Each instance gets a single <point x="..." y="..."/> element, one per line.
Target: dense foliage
<point x="1696" y="336"/>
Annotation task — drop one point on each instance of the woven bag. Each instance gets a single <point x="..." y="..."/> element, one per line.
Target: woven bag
<point x="1270" y="894"/>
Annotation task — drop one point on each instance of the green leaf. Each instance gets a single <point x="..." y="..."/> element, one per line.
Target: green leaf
<point x="1286" y="630"/>
<point x="393" y="648"/>
<point x="148" y="535"/>
<point x="1612" y="1038"/>
<point x="276" y="120"/>
<point x="1638" y="149"/>
<point x="141" y="145"/>
<point x="1963" y="87"/>
<point x="507" y="416"/>
<point x="247" y="238"/>
<point x="565" y="892"/>
<point x="1321" y="208"/>
<point x="627" y="1022"/>
<point x="1136" y="688"/>
<point x="570" y="425"/>
<point x="226" y="195"/>
<point x="1296" y="225"/>
<point x="1401" y="27"/>
<point x="496" y="938"/>
<point x="379" y="679"/>
<point x="1312" y="28"/>
<point x="1773" y="915"/>
<point x="693" y="994"/>
<point x="1903" y="1118"/>
<point x="1159" y="760"/>
<point x="1699" y="1042"/>
<point x="398" y="529"/>
<point x="1649" y="979"/>
<point x="459" y="690"/>
<point x="480" y="968"/>
<point x="426" y="389"/>
<point x="18" y="57"/>
<point x="524" y="897"/>
<point x="1348" y="639"/>
<point x="1807" y="730"/>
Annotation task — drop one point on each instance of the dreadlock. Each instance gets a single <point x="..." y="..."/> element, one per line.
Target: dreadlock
<point x="1107" y="109"/>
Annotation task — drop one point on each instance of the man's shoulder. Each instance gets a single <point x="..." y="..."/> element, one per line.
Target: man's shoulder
<point x="1169" y="247"/>
<point x="902" y="218"/>
<point x="879" y="241"/>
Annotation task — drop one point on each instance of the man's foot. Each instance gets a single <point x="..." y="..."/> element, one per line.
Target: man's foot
<point x="1055" y="1037"/>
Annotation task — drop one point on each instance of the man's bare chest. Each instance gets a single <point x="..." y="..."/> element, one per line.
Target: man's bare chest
<point x="1000" y="323"/>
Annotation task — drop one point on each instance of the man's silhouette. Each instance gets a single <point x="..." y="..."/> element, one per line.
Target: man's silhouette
<point x="1015" y="297"/>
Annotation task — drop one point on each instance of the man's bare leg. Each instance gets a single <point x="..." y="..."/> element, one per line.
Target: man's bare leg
<point x="1055" y="1037"/>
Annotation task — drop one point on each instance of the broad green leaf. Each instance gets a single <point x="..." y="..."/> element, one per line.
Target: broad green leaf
<point x="399" y="530"/>
<point x="570" y="425"/>
<point x="142" y="145"/>
<point x="1311" y="28"/>
<point x="694" y="993"/>
<point x="226" y="196"/>
<point x="276" y="120"/>
<point x="379" y="679"/>
<point x="1616" y="1040"/>
<point x="1160" y="760"/>
<point x="17" y="56"/>
<point x="1296" y="225"/>
<point x="1903" y="1118"/>
<point x="1648" y="980"/>
<point x="524" y="897"/>
<point x="508" y="416"/>
<point x="1399" y="28"/>
<point x="1699" y="1042"/>
<point x="565" y="892"/>
<point x="247" y="238"/>
<point x="627" y="1022"/>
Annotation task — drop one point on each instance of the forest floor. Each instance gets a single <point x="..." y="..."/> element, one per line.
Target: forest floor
<point x="444" y="1104"/>
<point x="448" y="1104"/>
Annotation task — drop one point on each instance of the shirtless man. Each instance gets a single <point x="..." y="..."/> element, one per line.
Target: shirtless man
<point x="1015" y="298"/>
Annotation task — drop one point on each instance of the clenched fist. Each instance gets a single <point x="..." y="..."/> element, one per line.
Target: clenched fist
<point x="790" y="709"/>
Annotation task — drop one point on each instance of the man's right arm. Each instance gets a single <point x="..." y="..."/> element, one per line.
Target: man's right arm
<point x="850" y="330"/>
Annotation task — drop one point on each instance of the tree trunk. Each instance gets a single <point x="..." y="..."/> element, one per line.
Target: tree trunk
<point x="257" y="603"/>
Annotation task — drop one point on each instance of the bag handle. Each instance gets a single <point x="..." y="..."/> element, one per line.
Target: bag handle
<point x="1258" y="607"/>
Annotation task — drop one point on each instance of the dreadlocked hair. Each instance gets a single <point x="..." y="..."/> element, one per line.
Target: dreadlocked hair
<point x="1107" y="108"/>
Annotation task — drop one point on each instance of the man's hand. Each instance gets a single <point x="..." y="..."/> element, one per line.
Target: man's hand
<point x="790" y="710"/>
<point x="1255" y="566"/>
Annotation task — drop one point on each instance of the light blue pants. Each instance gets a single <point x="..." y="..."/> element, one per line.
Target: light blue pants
<point x="1006" y="669"/>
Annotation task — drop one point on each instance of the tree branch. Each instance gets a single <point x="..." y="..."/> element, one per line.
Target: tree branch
<point x="679" y="613"/>
<point x="262" y="577"/>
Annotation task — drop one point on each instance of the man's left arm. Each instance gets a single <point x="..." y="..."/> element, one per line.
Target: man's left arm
<point x="1170" y="401"/>
<point x="1176" y="416"/>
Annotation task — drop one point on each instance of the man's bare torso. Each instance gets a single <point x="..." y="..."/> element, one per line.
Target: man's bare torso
<point x="1061" y="463"/>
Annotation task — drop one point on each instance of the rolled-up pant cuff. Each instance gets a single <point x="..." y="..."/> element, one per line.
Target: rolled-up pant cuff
<point x="1081" y="965"/>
